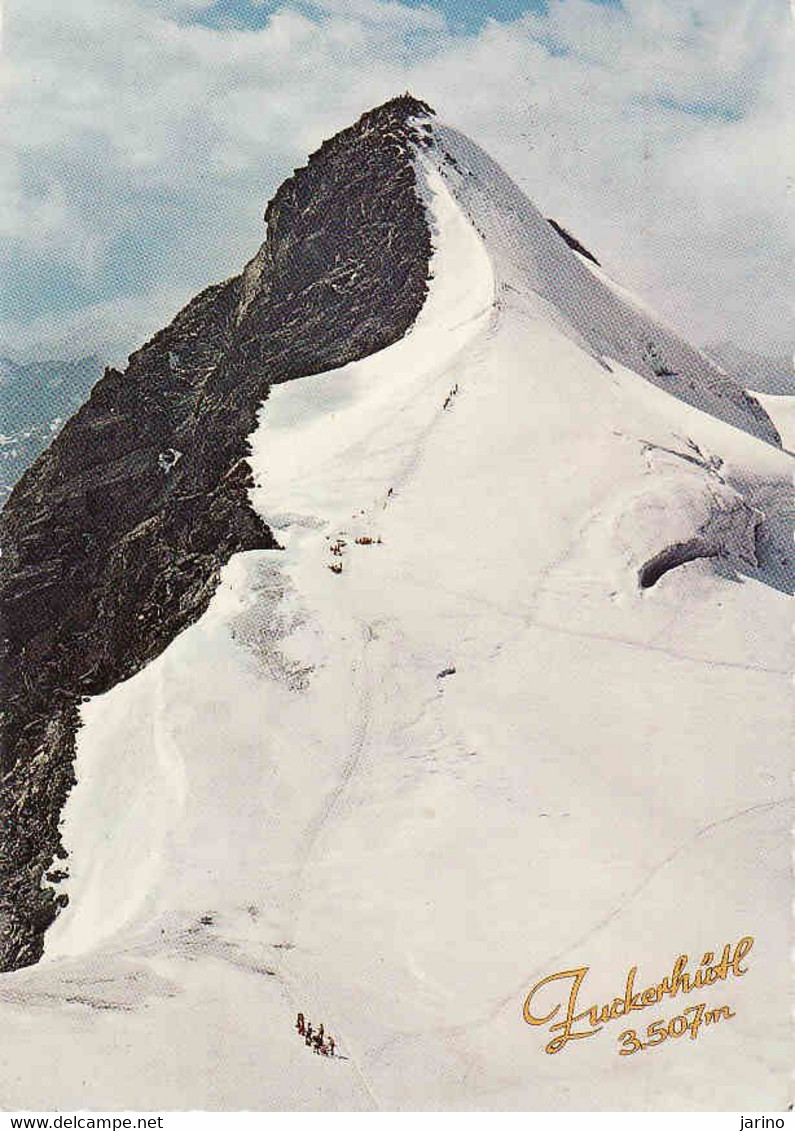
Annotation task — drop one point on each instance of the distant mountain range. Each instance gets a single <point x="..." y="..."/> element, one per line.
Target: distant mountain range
<point x="36" y="398"/>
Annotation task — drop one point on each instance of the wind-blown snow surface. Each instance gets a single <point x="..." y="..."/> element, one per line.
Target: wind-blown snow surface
<point x="293" y="808"/>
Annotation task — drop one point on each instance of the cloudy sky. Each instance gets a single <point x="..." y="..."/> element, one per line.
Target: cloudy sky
<point x="144" y="137"/>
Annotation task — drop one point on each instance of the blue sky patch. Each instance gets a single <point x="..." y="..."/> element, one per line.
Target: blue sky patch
<point x="464" y="16"/>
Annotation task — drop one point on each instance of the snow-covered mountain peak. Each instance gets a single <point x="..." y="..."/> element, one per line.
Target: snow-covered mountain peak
<point x="476" y="710"/>
<point x="536" y="260"/>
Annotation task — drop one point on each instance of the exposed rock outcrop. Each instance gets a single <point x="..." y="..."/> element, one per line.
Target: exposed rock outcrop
<point x="572" y="241"/>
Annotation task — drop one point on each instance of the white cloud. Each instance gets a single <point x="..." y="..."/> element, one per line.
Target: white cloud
<point x="142" y="147"/>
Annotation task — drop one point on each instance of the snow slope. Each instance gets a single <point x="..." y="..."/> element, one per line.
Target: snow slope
<point x="398" y="795"/>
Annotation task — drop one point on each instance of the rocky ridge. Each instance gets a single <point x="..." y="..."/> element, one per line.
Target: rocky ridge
<point x="112" y="542"/>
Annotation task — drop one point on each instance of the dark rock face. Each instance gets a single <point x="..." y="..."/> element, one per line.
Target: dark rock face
<point x="112" y="542"/>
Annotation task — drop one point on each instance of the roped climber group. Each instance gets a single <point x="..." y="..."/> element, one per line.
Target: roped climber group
<point x="316" y="1039"/>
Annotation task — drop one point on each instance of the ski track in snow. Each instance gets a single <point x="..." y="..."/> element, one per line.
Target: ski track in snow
<point x="330" y="827"/>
